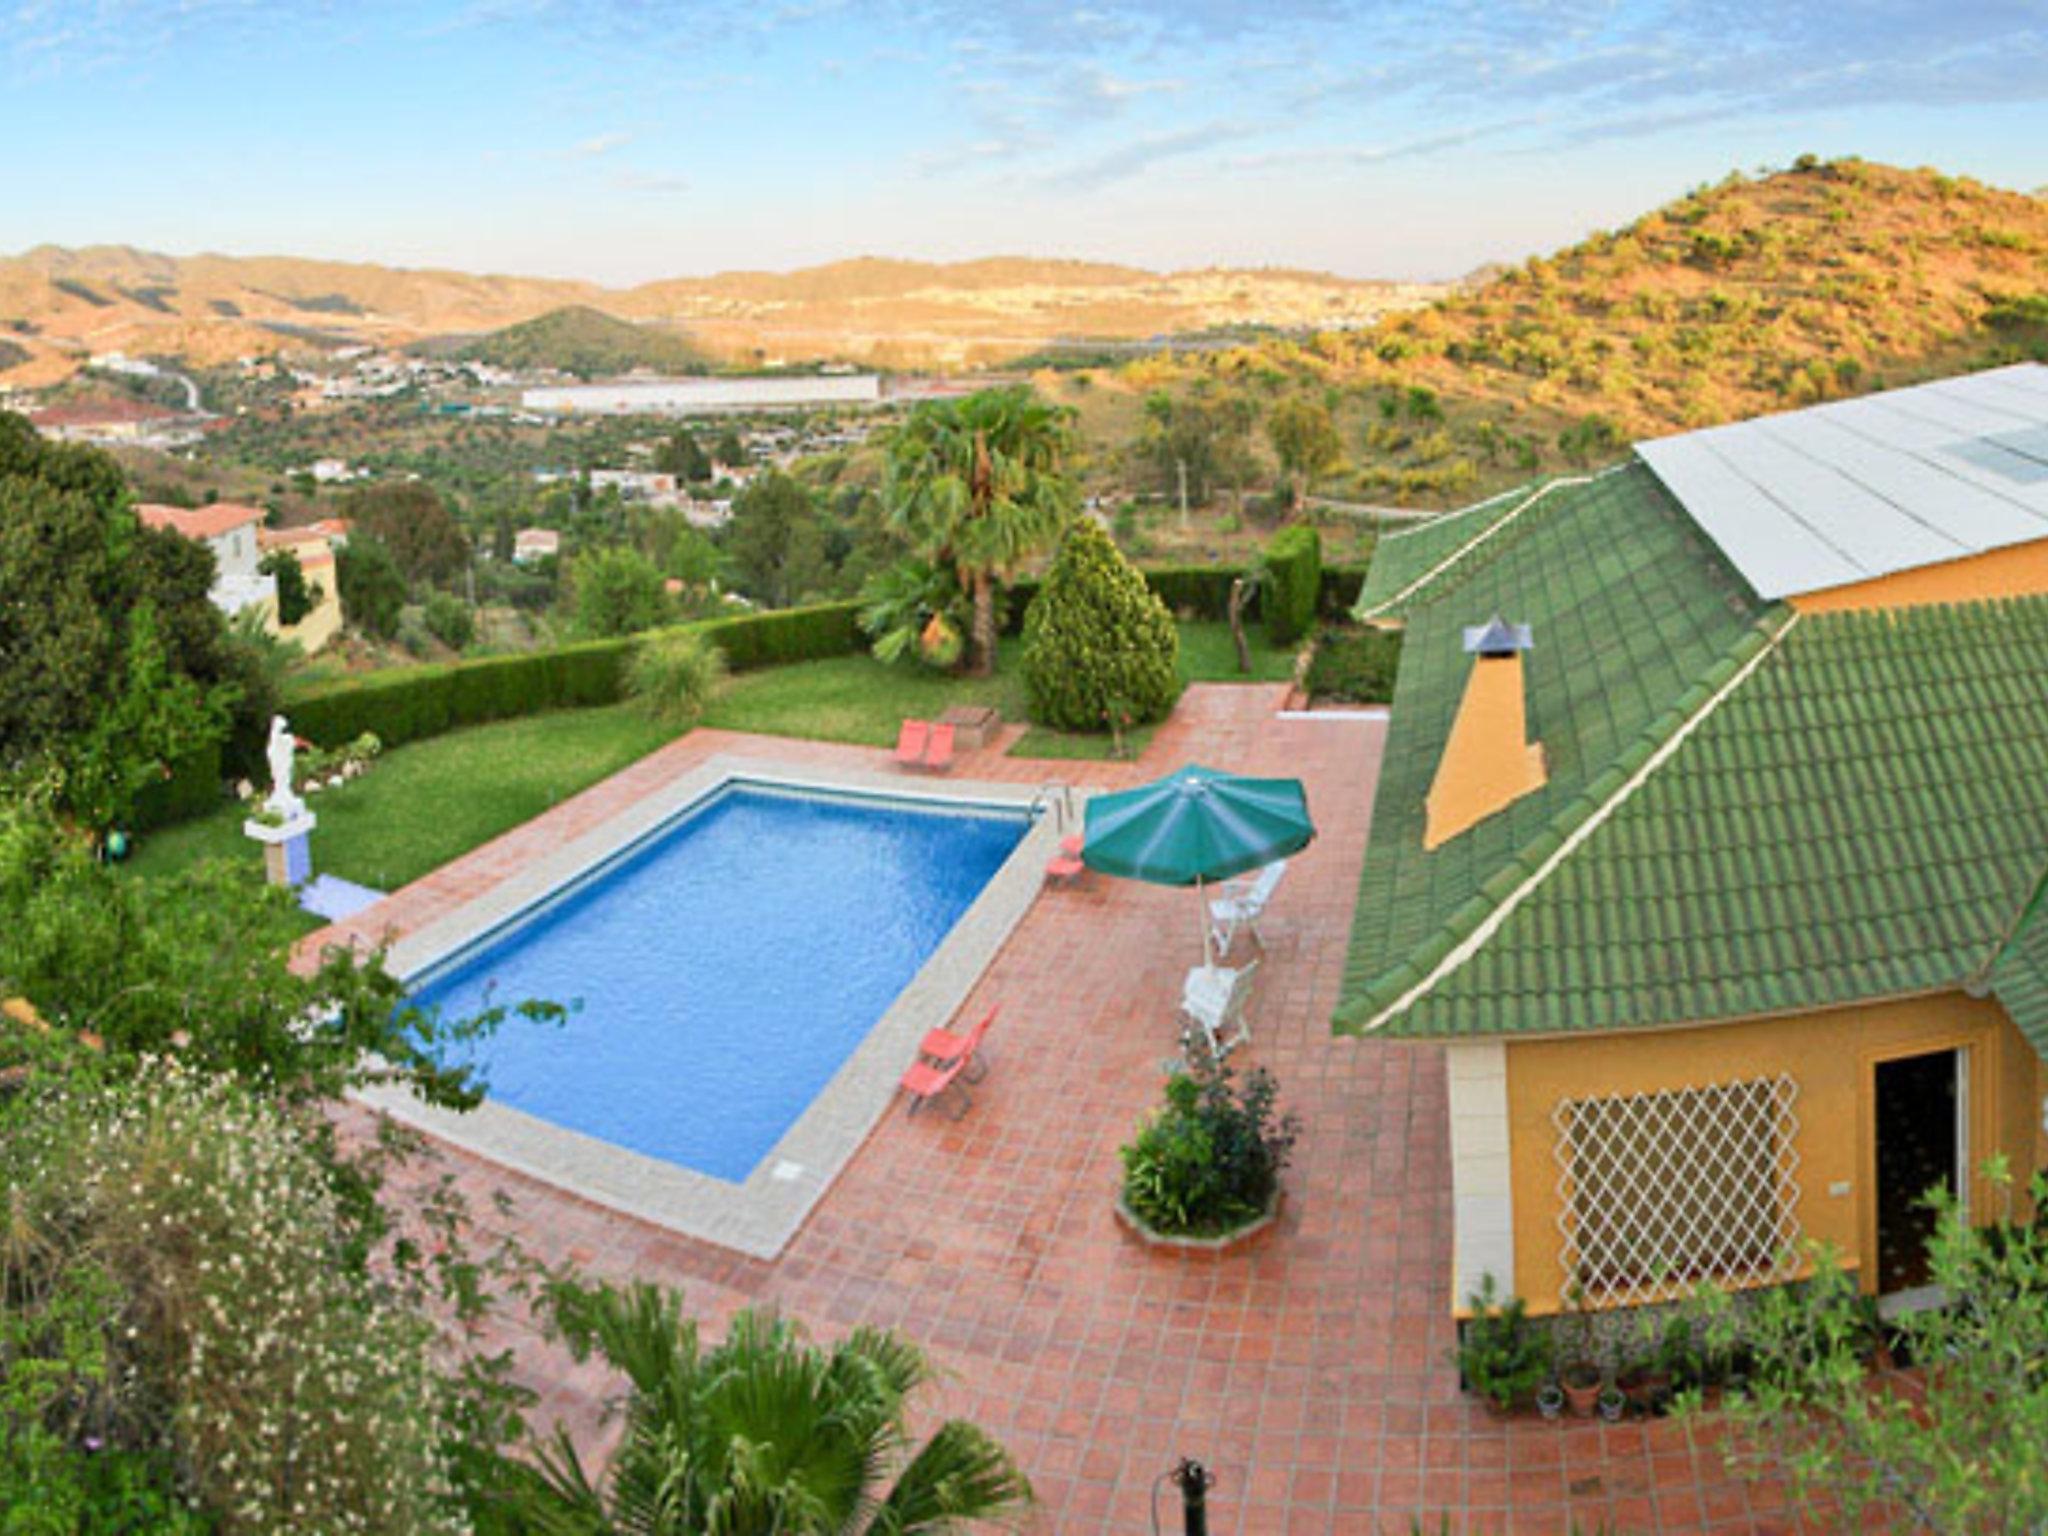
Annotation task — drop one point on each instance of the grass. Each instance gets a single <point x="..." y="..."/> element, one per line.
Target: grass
<point x="427" y="803"/>
<point x="431" y="801"/>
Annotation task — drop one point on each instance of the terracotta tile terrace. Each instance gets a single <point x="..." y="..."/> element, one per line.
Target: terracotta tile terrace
<point x="1311" y="1373"/>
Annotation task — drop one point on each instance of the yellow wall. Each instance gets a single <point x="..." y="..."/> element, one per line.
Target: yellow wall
<point x="1832" y="1056"/>
<point x="1488" y="762"/>
<point x="322" y="621"/>
<point x="2019" y="571"/>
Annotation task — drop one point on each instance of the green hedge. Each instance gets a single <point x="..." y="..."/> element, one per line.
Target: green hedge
<point x="193" y="788"/>
<point x="1341" y="586"/>
<point x="413" y="703"/>
<point x="1193" y="591"/>
<point x="1294" y="582"/>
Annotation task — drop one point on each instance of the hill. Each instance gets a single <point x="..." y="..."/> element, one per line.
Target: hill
<point x="580" y="340"/>
<point x="61" y="305"/>
<point x="1750" y="296"/>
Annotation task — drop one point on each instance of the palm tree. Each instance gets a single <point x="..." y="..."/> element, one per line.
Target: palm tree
<point x="975" y="484"/>
<point x="765" y="1435"/>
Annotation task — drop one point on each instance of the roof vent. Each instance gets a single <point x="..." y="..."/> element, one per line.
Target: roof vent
<point x="1496" y="637"/>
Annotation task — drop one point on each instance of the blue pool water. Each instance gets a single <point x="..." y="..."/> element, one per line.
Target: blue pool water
<point x="721" y="972"/>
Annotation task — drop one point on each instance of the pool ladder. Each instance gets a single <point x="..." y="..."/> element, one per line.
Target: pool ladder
<point x="1059" y="799"/>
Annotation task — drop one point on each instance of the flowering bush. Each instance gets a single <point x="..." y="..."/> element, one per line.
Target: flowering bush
<point x="1210" y="1161"/>
<point x="181" y="1308"/>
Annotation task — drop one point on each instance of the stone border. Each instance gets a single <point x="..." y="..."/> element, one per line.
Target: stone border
<point x="757" y="1217"/>
<point x="1200" y="1247"/>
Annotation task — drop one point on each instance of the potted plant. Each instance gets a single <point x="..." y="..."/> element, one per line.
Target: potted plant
<point x="1581" y="1376"/>
<point x="1205" y="1169"/>
<point x="1550" y="1400"/>
<point x="1613" y="1403"/>
<point x="1501" y="1355"/>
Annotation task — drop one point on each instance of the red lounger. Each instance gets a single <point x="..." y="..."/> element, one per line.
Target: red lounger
<point x="925" y="1079"/>
<point x="910" y="743"/>
<point x="938" y="752"/>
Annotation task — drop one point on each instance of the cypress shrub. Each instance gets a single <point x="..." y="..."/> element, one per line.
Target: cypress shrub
<point x="1095" y="637"/>
<point x="1294" y="582"/>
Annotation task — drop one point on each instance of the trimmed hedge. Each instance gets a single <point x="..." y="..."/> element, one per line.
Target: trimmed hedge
<point x="1192" y="591"/>
<point x="192" y="789"/>
<point x="1294" y="582"/>
<point x="1341" y="586"/>
<point x="414" y="703"/>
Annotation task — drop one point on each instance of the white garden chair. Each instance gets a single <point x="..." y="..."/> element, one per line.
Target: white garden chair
<point x="1242" y="904"/>
<point x="1213" y="1001"/>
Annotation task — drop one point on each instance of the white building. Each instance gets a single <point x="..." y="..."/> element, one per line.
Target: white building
<point x="229" y="531"/>
<point x="708" y="396"/>
<point x="531" y="544"/>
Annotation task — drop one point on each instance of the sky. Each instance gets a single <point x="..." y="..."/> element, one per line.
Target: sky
<point x="624" y="140"/>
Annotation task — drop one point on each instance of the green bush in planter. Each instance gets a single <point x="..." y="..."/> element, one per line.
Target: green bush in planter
<point x="1501" y="1354"/>
<point x="1210" y="1161"/>
<point x="1097" y="637"/>
<point x="1293" y="588"/>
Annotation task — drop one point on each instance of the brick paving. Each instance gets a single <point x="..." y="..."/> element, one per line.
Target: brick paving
<point x="1311" y="1373"/>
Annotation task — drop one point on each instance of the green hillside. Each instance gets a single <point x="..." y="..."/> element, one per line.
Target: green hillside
<point x="579" y="340"/>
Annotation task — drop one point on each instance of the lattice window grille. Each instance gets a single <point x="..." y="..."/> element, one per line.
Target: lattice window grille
<point x="1657" y="1191"/>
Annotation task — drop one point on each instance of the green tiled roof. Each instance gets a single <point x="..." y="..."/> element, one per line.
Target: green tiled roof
<point x="1400" y="559"/>
<point x="2019" y="975"/>
<point x="1863" y="817"/>
<point x="1633" y="612"/>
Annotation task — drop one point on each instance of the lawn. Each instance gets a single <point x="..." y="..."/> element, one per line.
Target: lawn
<point x="426" y="803"/>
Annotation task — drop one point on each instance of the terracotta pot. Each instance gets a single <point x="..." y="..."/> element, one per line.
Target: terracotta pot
<point x="1582" y="1393"/>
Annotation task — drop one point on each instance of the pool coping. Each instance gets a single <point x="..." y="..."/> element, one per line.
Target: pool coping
<point x="759" y="1216"/>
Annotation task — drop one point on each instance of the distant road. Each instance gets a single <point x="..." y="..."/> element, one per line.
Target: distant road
<point x="1373" y="509"/>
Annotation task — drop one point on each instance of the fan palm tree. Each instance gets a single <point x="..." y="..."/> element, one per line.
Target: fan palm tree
<point x="975" y="484"/>
<point x="764" y="1435"/>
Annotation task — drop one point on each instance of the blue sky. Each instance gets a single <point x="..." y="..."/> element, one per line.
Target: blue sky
<point x="622" y="140"/>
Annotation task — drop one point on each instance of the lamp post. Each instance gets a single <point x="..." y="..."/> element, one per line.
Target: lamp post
<point x="1195" y="1483"/>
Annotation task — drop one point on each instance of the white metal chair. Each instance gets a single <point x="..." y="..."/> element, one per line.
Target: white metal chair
<point x="1213" y="1001"/>
<point x="1242" y="904"/>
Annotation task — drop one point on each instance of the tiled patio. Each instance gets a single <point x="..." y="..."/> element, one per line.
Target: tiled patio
<point x="1311" y="1374"/>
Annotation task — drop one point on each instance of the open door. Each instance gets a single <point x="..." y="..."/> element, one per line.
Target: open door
<point x="1922" y="1127"/>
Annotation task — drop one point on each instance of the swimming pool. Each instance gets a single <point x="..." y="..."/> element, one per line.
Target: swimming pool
<point x="723" y="967"/>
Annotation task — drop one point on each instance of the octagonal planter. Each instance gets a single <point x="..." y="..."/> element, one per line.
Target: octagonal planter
<point x="1217" y="1247"/>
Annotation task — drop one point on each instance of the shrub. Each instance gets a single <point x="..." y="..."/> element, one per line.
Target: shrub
<point x="412" y="703"/>
<point x="1294" y="582"/>
<point x="449" y="620"/>
<point x="190" y="787"/>
<point x="371" y="588"/>
<point x="1501" y="1355"/>
<point x="176" y="1300"/>
<point x="1355" y="666"/>
<point x="296" y="596"/>
<point x="1210" y="1161"/>
<point x="617" y="592"/>
<point x="675" y="676"/>
<point x="1199" y="591"/>
<point x="1095" y="637"/>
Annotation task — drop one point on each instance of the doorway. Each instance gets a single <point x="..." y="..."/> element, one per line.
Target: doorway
<point x="1920" y="1130"/>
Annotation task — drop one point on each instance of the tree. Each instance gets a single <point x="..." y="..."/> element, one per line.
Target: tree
<point x="449" y="620"/>
<point x="113" y="659"/>
<point x="765" y="1432"/>
<point x="296" y="597"/>
<point x="776" y="541"/>
<point x="617" y="592"/>
<point x="371" y="587"/>
<point x="1958" y="1448"/>
<point x="1100" y="648"/>
<point x="1193" y="443"/>
<point x="1305" y="438"/>
<point x="682" y="455"/>
<point x="409" y="518"/>
<point x="729" y="451"/>
<point x="975" y="484"/>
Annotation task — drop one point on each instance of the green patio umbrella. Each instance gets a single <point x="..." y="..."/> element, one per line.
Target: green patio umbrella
<point x="1194" y="826"/>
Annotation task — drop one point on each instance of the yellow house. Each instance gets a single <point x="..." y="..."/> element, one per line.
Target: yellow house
<point x="1711" y="845"/>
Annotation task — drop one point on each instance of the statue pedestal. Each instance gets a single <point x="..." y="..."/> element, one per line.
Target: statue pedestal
<point x="287" y="855"/>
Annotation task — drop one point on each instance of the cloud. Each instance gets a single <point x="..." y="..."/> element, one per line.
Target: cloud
<point x="1379" y="154"/>
<point x="1141" y="154"/>
<point x="598" y="144"/>
<point x="652" y="182"/>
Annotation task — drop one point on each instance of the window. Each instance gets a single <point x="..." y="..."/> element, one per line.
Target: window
<point x="1659" y="1190"/>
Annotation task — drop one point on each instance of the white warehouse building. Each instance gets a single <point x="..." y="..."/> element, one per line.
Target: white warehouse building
<point x="706" y="396"/>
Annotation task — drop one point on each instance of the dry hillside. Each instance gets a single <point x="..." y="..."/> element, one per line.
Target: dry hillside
<point x="62" y="305"/>
<point x="1751" y="296"/>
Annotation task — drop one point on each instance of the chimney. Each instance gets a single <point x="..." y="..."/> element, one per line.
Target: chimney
<point x="1489" y="761"/>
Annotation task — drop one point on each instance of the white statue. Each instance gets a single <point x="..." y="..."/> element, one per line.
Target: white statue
<point x="279" y="751"/>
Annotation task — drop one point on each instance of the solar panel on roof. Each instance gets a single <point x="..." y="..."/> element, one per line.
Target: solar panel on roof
<point x="1863" y="488"/>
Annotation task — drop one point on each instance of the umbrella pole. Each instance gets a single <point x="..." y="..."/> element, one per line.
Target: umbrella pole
<point x="1202" y="916"/>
